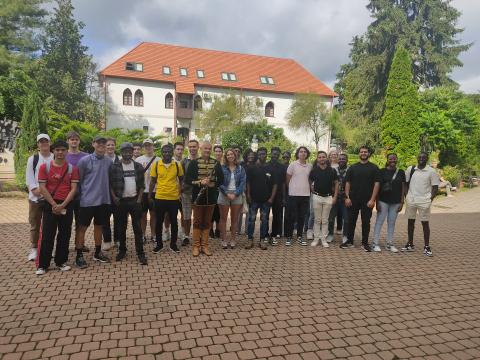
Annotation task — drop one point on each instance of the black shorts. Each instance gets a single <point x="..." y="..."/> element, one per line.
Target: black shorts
<point x="100" y="215"/>
<point x="147" y="205"/>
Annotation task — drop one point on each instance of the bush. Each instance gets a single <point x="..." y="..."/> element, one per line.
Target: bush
<point x="452" y="174"/>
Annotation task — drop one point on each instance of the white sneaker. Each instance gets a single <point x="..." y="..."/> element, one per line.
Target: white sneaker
<point x="107" y="246"/>
<point x="315" y="242"/>
<point x="325" y="244"/>
<point x="329" y="238"/>
<point x="64" y="267"/>
<point x="393" y="249"/>
<point x="344" y="239"/>
<point x="376" y="248"/>
<point x="32" y="254"/>
<point x="40" y="271"/>
<point x="309" y="234"/>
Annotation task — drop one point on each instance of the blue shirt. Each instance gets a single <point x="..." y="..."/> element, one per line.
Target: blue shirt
<point x="94" y="184"/>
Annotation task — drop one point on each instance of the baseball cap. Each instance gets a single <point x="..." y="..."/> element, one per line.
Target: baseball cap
<point x="99" y="138"/>
<point x="147" y="141"/>
<point x="43" y="136"/>
<point x="126" y="145"/>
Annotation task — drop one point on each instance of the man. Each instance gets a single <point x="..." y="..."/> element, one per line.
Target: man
<point x="106" y="229"/>
<point x="73" y="157"/>
<point x="165" y="174"/>
<point x="280" y="172"/>
<point x="286" y="156"/>
<point x="127" y="183"/>
<point x="34" y="210"/>
<point x="362" y="183"/>
<point x="204" y="175"/>
<point x="422" y="184"/>
<point x="94" y="199"/>
<point x="137" y="150"/>
<point x="147" y="160"/>
<point x="58" y="184"/>
<point x="339" y="207"/>
<point x="261" y="191"/>
<point x="186" y="195"/>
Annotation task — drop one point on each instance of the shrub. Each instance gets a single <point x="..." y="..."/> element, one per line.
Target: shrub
<point x="452" y="174"/>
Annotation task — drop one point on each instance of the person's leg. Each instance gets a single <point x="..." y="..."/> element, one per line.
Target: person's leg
<point x="135" y="212"/>
<point x="391" y="220"/>
<point x="120" y="216"/>
<point x="173" y="212"/>
<point x="276" y="219"/>
<point x="339" y="218"/>
<point x="197" y="230"/>
<point x="311" y="216"/>
<point x="366" y="214"/>
<point x="317" y="208"/>
<point x="324" y="215"/>
<point x="206" y="223"/>
<point x="426" y="233"/>
<point x="160" y="211"/>
<point x="234" y="211"/>
<point x="48" y="231"/>
<point x="381" y="216"/>
<point x="345" y="218"/>
<point x="290" y="216"/>
<point x="143" y="217"/>
<point x="63" y="237"/>
<point x="106" y="228"/>
<point x="307" y="219"/>
<point x="264" y="217"/>
<point x="331" y="219"/>
<point x="34" y="218"/>
<point x="303" y="204"/>
<point x="153" y="222"/>
<point x="352" y="216"/>
<point x="223" y="223"/>
<point x="166" y="224"/>
<point x="252" y="217"/>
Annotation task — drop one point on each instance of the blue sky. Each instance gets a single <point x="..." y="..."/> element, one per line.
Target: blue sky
<point x="316" y="33"/>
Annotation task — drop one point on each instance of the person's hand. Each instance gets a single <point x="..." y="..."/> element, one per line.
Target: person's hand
<point x="36" y="192"/>
<point x="270" y="201"/>
<point x="400" y="207"/>
<point x="334" y="200"/>
<point x="348" y="202"/>
<point x="371" y="204"/>
<point x="205" y="181"/>
<point x="231" y="196"/>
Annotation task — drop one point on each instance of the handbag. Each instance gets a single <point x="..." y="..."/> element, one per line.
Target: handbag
<point x="387" y="186"/>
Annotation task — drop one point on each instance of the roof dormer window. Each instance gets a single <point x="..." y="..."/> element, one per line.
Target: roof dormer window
<point x="267" y="80"/>
<point x="166" y="70"/>
<point x="200" y="74"/>
<point x="229" y="76"/>
<point x="133" y="66"/>
<point x="183" y="72"/>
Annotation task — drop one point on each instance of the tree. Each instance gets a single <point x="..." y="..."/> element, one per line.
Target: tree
<point x="308" y="112"/>
<point x="33" y="123"/>
<point x="225" y="112"/>
<point x="427" y="29"/>
<point x="400" y="132"/>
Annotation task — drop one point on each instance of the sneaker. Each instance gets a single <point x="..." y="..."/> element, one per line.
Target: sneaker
<point x="288" y="242"/>
<point x="344" y="245"/>
<point x="344" y="239"/>
<point x="224" y="245"/>
<point x="232" y="245"/>
<point x="175" y="248"/>
<point x="64" y="267"/>
<point x="80" y="262"/>
<point x="40" y="271"/>
<point x="185" y="241"/>
<point x="325" y="244"/>
<point x="408" y="248"/>
<point x="393" y="249"/>
<point x="120" y="256"/>
<point x="366" y="248"/>
<point x="263" y="244"/>
<point x="107" y="246"/>
<point x="376" y="248"/>
<point x="142" y="259"/>
<point x="309" y="234"/>
<point x="329" y="238"/>
<point x="158" y="248"/>
<point x="427" y="251"/>
<point x="274" y="241"/>
<point x="302" y="241"/>
<point x="101" y="258"/>
<point x="315" y="242"/>
<point x="32" y="254"/>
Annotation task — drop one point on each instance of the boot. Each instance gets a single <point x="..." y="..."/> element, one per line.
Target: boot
<point x="204" y="244"/>
<point x="196" y="234"/>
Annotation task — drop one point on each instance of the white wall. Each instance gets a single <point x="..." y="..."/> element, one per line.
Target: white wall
<point x="153" y="113"/>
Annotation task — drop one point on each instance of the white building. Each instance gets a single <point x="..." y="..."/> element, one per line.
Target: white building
<point x="158" y="88"/>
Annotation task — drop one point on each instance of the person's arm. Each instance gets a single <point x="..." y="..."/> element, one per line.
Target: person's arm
<point x="46" y="194"/>
<point x="434" y="192"/>
<point x="31" y="181"/>
<point x="111" y="174"/>
<point x="69" y="198"/>
<point x="376" y="188"/>
<point x="141" y="180"/>
<point x="243" y="182"/>
<point x="348" y="201"/>
<point x="335" y="192"/>
<point x="435" y="181"/>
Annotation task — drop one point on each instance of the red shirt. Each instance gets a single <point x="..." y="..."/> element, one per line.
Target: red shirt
<point x="53" y="177"/>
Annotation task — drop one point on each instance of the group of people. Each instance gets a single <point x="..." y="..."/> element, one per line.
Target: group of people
<point x="209" y="185"/>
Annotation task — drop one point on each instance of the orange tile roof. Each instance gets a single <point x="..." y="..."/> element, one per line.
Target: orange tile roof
<point x="288" y="75"/>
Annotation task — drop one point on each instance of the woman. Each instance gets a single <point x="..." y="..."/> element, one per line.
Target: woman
<point x="230" y="197"/>
<point x="249" y="159"/>
<point x="389" y="201"/>
<point x="218" y="153"/>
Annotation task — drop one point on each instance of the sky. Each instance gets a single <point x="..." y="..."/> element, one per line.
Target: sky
<point x="316" y="33"/>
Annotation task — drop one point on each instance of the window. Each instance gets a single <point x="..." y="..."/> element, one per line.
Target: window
<point x="145" y="128"/>
<point x="269" y="109"/>
<point x="167" y="129"/>
<point x="270" y="81"/>
<point x="183" y="72"/>
<point x="263" y="79"/>
<point x="166" y="70"/>
<point x="132" y="66"/>
<point x="169" y="101"/>
<point x="225" y="76"/>
<point x="183" y="104"/>
<point x="267" y="80"/>
<point x="197" y="103"/>
<point x="138" y="98"/>
<point x="233" y="77"/>
<point x="229" y="76"/>
<point x="200" y="74"/>
<point x="127" y="97"/>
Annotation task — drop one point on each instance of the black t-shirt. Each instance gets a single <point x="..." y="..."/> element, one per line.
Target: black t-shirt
<point x="394" y="196"/>
<point x="280" y="171"/>
<point x="261" y="180"/>
<point x="362" y="178"/>
<point x="323" y="180"/>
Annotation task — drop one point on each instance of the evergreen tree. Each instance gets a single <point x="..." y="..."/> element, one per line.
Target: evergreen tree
<point x="33" y="123"/>
<point x="400" y="130"/>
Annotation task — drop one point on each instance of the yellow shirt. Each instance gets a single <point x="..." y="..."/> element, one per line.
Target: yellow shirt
<point x="167" y="184"/>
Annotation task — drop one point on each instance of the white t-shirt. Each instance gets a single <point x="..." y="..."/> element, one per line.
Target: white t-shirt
<point x="420" y="188"/>
<point x="299" y="184"/>
<point x="130" y="188"/>
<point x="144" y="160"/>
<point x="231" y="185"/>
<point x="31" y="178"/>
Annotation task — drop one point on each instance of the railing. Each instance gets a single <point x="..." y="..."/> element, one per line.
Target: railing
<point x="184" y="113"/>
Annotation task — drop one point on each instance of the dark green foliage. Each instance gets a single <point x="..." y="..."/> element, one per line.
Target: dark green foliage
<point x="400" y="132"/>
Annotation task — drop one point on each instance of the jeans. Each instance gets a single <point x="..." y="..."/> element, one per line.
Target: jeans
<point x="389" y="212"/>
<point x="128" y="206"/>
<point x="277" y="217"/>
<point x="297" y="208"/>
<point x="163" y="207"/>
<point x="366" y="213"/>
<point x="310" y="216"/>
<point x="252" y="215"/>
<point x="107" y="230"/>
<point x="322" y="206"/>
<point x="339" y="211"/>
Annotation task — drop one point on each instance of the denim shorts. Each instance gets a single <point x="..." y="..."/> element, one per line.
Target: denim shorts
<point x="224" y="200"/>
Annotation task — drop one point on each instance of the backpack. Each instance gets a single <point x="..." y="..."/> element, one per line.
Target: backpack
<point x="176" y="165"/>
<point x="48" y="165"/>
<point x="36" y="158"/>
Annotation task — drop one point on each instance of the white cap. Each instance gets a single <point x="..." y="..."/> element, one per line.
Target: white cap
<point x="147" y="141"/>
<point x="43" y="136"/>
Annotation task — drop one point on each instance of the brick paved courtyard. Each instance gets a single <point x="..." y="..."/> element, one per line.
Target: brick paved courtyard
<point x="283" y="303"/>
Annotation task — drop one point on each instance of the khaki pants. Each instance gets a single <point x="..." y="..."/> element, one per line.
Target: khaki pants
<point x="35" y="219"/>
<point x="321" y="208"/>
